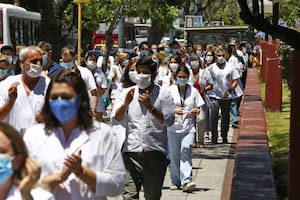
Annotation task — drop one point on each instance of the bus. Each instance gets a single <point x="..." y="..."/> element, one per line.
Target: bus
<point x="141" y="32"/>
<point x="99" y="36"/>
<point x="18" y="27"/>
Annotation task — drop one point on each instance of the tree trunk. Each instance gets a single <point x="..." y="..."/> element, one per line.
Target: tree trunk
<point x="51" y="14"/>
<point x="155" y="32"/>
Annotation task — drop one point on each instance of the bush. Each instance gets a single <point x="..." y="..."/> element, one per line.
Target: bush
<point x="285" y="56"/>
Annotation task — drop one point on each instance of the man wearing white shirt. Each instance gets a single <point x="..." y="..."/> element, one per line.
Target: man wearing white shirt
<point x="224" y="80"/>
<point x="22" y="96"/>
<point x="149" y="110"/>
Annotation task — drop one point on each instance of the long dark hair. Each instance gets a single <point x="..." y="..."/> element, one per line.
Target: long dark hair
<point x="18" y="146"/>
<point x="125" y="80"/>
<point x="183" y="68"/>
<point x="84" y="113"/>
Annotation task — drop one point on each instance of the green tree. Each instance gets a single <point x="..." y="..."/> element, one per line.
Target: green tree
<point x="289" y="11"/>
<point x="161" y="12"/>
<point x="229" y="15"/>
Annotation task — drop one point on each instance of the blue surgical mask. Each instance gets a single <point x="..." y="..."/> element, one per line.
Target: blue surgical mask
<point x="154" y="51"/>
<point x="181" y="81"/>
<point x="64" y="109"/>
<point x="6" y="170"/>
<point x="167" y="50"/>
<point x="45" y="59"/>
<point x="174" y="51"/>
<point x="126" y="62"/>
<point x="144" y="53"/>
<point x="199" y="53"/>
<point x="67" y="65"/>
<point x="3" y="73"/>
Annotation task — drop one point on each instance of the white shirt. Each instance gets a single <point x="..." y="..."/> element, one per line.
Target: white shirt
<point x="99" y="152"/>
<point x="88" y="78"/>
<point x="22" y="114"/>
<point x="144" y="132"/>
<point x="222" y="79"/>
<point x="101" y="82"/>
<point x="164" y="76"/>
<point x="90" y="82"/>
<point x="115" y="69"/>
<point x="234" y="62"/>
<point x="205" y="77"/>
<point x="100" y="61"/>
<point x="192" y="99"/>
<point x="119" y="127"/>
<point x="36" y="193"/>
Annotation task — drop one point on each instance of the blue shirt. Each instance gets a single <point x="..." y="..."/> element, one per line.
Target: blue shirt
<point x="54" y="68"/>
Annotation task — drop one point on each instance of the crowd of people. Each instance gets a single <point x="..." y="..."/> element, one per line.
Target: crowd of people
<point x="56" y="141"/>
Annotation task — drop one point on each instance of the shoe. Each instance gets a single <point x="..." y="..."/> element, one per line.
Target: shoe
<point x="225" y="140"/>
<point x="235" y="125"/>
<point x="174" y="187"/>
<point x="189" y="187"/>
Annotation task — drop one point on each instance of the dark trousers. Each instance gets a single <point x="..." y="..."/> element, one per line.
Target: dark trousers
<point x="224" y="105"/>
<point x="147" y="170"/>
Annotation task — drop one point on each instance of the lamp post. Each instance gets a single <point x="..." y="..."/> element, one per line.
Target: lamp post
<point x="79" y="3"/>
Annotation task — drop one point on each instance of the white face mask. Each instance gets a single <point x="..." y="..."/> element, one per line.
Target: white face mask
<point x="132" y="76"/>
<point x="34" y="70"/>
<point x="194" y="63"/>
<point x="10" y="59"/>
<point x="173" y="67"/>
<point x="91" y="64"/>
<point x="143" y="80"/>
<point x="220" y="60"/>
<point x="209" y="59"/>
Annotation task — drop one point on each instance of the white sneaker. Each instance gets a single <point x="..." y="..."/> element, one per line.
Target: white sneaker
<point x="173" y="187"/>
<point x="189" y="187"/>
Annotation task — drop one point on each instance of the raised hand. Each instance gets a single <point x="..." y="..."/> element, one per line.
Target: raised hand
<point x="144" y="99"/>
<point x="129" y="96"/>
<point x="33" y="170"/>
<point x="13" y="92"/>
<point x="73" y="162"/>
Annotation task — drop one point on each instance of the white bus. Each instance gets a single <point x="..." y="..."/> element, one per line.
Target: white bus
<point x="142" y="32"/>
<point x="18" y="27"/>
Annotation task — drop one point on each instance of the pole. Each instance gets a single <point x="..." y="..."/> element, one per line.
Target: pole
<point x="79" y="35"/>
<point x="294" y="161"/>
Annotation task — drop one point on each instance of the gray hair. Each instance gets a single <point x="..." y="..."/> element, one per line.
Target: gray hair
<point x="24" y="51"/>
<point x="69" y="50"/>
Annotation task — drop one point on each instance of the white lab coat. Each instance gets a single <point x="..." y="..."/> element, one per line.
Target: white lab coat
<point x="99" y="152"/>
<point x="36" y="193"/>
<point x="22" y="114"/>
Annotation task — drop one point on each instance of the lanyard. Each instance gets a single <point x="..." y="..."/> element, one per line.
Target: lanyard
<point x="182" y="97"/>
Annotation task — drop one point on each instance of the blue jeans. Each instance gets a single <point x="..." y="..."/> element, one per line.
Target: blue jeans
<point x="180" y="155"/>
<point x="233" y="111"/>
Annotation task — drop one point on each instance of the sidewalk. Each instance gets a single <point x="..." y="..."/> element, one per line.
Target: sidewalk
<point x="209" y="170"/>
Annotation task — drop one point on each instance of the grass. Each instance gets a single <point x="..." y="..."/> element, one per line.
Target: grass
<point x="278" y="126"/>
